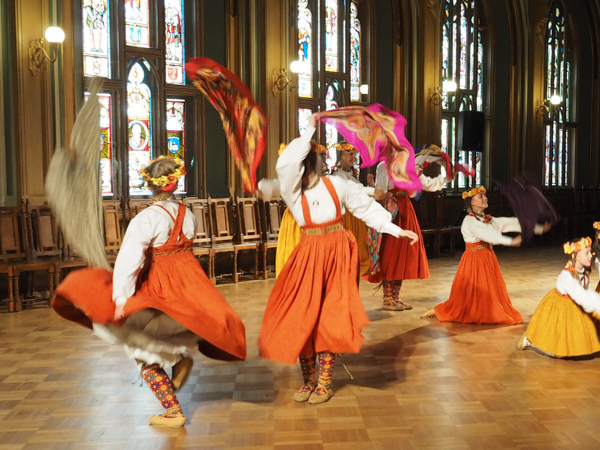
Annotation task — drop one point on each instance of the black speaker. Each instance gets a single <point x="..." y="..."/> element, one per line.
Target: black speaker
<point x="471" y="127"/>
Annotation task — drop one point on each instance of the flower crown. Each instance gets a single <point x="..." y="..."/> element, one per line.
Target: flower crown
<point x="597" y="225"/>
<point x="473" y="192"/>
<point x="313" y="148"/>
<point x="344" y="147"/>
<point x="574" y="247"/>
<point x="164" y="180"/>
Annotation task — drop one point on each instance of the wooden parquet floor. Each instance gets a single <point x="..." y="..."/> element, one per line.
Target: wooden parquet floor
<point x="417" y="383"/>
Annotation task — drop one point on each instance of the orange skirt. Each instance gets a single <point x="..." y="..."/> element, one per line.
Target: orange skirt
<point x="478" y="293"/>
<point x="315" y="305"/>
<point x="174" y="284"/>
<point x="399" y="259"/>
<point x="560" y="327"/>
<point x="359" y="229"/>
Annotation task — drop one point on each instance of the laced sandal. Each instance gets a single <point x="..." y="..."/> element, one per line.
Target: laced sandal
<point x="173" y="418"/>
<point x="523" y="343"/>
<point x="407" y="306"/>
<point x="392" y="305"/>
<point x="181" y="372"/>
<point x="305" y="392"/>
<point x="320" y="395"/>
<point x="429" y="314"/>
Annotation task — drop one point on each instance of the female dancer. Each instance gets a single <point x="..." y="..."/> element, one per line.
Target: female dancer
<point x="315" y="308"/>
<point x="158" y="303"/>
<point x="398" y="260"/>
<point x="478" y="293"/>
<point x="565" y="322"/>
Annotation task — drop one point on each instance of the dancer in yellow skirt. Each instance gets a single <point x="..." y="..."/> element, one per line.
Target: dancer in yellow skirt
<point x="565" y="322"/>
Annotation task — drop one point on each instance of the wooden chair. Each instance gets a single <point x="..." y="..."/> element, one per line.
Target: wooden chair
<point x="112" y="231"/>
<point x="271" y="215"/>
<point x="222" y="235"/>
<point x="248" y="229"/>
<point x="442" y="223"/>
<point x="134" y="207"/>
<point x="203" y="239"/>
<point x="425" y="215"/>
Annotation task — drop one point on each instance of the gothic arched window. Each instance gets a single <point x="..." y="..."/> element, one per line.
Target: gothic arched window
<point x="558" y="123"/>
<point x="333" y="70"/>
<point x="139" y="47"/>
<point x="463" y="52"/>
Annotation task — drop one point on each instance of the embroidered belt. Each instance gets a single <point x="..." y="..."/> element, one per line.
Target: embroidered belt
<point x="328" y="229"/>
<point x="170" y="252"/>
<point x="480" y="247"/>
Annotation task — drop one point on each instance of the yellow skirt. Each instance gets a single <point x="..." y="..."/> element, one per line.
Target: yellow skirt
<point x="559" y="326"/>
<point x="289" y="236"/>
<point x="359" y="230"/>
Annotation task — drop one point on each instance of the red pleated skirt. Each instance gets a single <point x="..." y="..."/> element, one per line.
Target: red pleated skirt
<point x="174" y="284"/>
<point x="315" y="305"/>
<point x="478" y="293"/>
<point x="399" y="259"/>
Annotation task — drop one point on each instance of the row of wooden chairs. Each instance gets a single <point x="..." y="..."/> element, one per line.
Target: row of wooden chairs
<point x="433" y="220"/>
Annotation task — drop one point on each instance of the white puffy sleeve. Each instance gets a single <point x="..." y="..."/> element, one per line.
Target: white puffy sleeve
<point x="506" y="224"/>
<point x="138" y="238"/>
<point x="290" y="167"/>
<point x="269" y="188"/>
<point x="365" y="208"/>
<point x="485" y="232"/>
<point x="433" y="184"/>
<point x="382" y="179"/>
<point x="588" y="299"/>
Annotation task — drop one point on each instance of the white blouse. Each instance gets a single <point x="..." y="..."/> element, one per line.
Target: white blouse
<point x="290" y="169"/>
<point x="270" y="188"/>
<point x="474" y="230"/>
<point x="347" y="176"/>
<point x="383" y="182"/>
<point x="579" y="289"/>
<point x="150" y="228"/>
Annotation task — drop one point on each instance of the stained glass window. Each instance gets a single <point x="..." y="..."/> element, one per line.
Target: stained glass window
<point x="137" y="23"/>
<point x="106" y="156"/>
<point x="305" y="46"/>
<point x="331" y="134"/>
<point x="557" y="123"/>
<point x="174" y="49"/>
<point x="462" y="52"/>
<point x="139" y="127"/>
<point x="355" y="53"/>
<point x="176" y="134"/>
<point x="331" y="35"/>
<point x="303" y="116"/>
<point x="96" y="44"/>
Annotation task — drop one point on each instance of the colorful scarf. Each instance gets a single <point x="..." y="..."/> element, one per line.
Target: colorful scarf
<point x="378" y="135"/>
<point x="244" y="123"/>
<point x="429" y="154"/>
<point x="390" y="203"/>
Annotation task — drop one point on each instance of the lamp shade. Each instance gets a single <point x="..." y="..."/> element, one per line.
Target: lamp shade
<point x="55" y="35"/>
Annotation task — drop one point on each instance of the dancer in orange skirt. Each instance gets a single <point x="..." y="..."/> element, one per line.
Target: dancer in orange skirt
<point x="565" y="322"/>
<point x="158" y="302"/>
<point x="315" y="309"/>
<point x="478" y="293"/>
<point x="398" y="260"/>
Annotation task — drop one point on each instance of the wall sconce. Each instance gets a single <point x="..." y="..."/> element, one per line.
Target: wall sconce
<point x="38" y="57"/>
<point x="281" y="81"/>
<point x="550" y="105"/>
<point x="364" y="89"/>
<point x="436" y="97"/>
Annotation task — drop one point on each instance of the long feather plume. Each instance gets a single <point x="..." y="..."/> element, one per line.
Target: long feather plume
<point x="73" y="185"/>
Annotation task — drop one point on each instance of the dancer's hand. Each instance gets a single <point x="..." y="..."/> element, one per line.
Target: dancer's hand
<point x="547" y="226"/>
<point x="378" y="194"/>
<point x="516" y="241"/>
<point x="119" y="313"/>
<point x="258" y="193"/>
<point x="312" y="120"/>
<point x="371" y="180"/>
<point x="410" y="235"/>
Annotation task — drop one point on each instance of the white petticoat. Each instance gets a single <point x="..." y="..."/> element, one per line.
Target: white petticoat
<point x="152" y="337"/>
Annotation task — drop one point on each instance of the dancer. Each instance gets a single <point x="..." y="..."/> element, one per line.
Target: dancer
<point x="565" y="322"/>
<point x="399" y="261"/>
<point x="315" y="309"/>
<point x="596" y="247"/>
<point x="159" y="304"/>
<point x="345" y="169"/>
<point x="478" y="293"/>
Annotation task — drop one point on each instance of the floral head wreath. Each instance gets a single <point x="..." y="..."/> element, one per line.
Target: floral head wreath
<point x="344" y="147"/>
<point x="597" y="225"/>
<point x="574" y="247"/>
<point x="473" y="192"/>
<point x="167" y="182"/>
<point x="313" y="148"/>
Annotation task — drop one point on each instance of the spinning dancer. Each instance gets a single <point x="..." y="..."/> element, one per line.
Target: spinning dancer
<point x="565" y="322"/>
<point x="478" y="293"/>
<point x="315" y="310"/>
